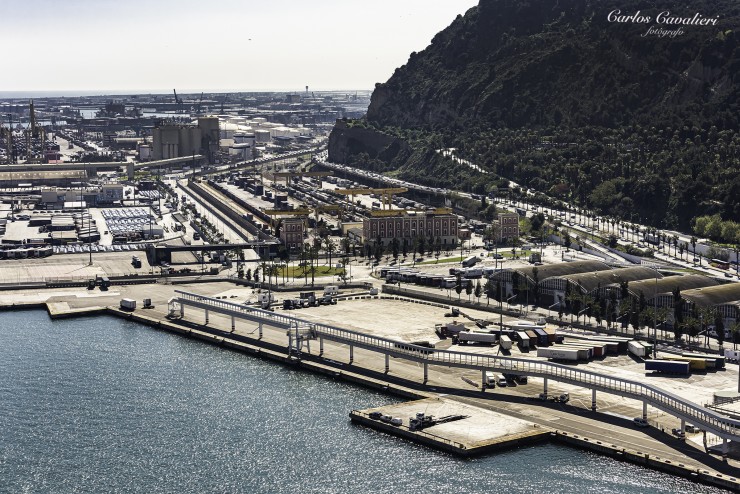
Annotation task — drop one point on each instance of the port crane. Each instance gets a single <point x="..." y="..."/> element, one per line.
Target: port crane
<point x="386" y="193"/>
<point x="178" y="101"/>
<point x="288" y="175"/>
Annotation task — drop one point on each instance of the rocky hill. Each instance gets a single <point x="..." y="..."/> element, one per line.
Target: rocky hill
<point x="628" y="108"/>
<point x="541" y="63"/>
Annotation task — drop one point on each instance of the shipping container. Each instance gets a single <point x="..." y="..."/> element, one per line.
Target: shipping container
<point x="637" y="349"/>
<point x="532" y="338"/>
<point x="695" y="364"/>
<point x="719" y="361"/>
<point x="584" y="352"/>
<point x="542" y="338"/>
<point x="523" y="340"/>
<point x="471" y="337"/>
<point x="567" y="354"/>
<point x="598" y="349"/>
<point x="505" y="342"/>
<point x="128" y="304"/>
<point x="667" y="367"/>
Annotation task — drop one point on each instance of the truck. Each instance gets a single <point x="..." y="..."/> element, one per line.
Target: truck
<point x="331" y="290"/>
<point x="505" y="342"/>
<point x="732" y="355"/>
<point x="326" y="300"/>
<point x="309" y="297"/>
<point x="668" y="367"/>
<point x="489" y="381"/>
<point x="562" y="398"/>
<point x="473" y="273"/>
<point x="264" y="299"/>
<point x="515" y="378"/>
<point x="469" y="261"/>
<point x="471" y="337"/>
<point x="104" y="282"/>
<point x="128" y="304"/>
<point x="135" y="261"/>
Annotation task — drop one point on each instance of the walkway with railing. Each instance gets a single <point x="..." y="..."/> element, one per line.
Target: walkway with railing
<point x="682" y="408"/>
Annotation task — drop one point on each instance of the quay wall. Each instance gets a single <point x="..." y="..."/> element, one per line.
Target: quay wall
<point x="279" y="354"/>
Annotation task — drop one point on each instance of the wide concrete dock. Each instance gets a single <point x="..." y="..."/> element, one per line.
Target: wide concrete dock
<point x="497" y="419"/>
<point x="480" y="431"/>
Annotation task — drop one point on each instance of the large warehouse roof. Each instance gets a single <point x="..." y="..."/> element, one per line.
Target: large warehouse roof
<point x="562" y="269"/>
<point x="713" y="295"/>
<point x="591" y="281"/>
<point x="669" y="284"/>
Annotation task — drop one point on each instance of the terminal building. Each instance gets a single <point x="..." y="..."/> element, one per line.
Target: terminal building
<point x="105" y="195"/>
<point x="407" y="225"/>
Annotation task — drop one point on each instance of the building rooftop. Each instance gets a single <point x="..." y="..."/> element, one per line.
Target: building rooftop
<point x="562" y="269"/>
<point x="713" y="295"/>
<point x="669" y="284"/>
<point x="591" y="281"/>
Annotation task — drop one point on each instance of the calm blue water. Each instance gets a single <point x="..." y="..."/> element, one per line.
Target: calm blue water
<point x="106" y="405"/>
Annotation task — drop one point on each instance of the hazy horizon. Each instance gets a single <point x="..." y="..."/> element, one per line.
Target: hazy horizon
<point x="71" y="93"/>
<point x="132" y="47"/>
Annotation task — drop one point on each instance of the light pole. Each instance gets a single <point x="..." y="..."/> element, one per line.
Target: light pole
<point x="655" y="315"/>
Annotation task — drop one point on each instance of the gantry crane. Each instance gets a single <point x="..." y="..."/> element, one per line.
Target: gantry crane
<point x="384" y="213"/>
<point x="387" y="193"/>
<point x="288" y="175"/>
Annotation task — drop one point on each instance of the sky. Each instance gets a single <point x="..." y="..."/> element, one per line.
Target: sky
<point x="211" y="45"/>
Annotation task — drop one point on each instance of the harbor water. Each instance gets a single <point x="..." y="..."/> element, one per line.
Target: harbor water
<point x="99" y="404"/>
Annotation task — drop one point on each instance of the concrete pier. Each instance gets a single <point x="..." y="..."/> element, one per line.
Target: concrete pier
<point x="482" y="431"/>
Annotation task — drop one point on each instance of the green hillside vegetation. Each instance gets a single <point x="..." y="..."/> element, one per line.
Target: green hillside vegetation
<point x="553" y="96"/>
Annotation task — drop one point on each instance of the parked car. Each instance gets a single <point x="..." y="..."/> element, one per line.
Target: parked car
<point x="640" y="422"/>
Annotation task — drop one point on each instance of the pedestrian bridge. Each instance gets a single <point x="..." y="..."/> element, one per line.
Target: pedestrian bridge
<point x="682" y="408"/>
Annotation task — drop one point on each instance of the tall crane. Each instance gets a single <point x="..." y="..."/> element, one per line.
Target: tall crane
<point x="178" y="101"/>
<point x="199" y="103"/>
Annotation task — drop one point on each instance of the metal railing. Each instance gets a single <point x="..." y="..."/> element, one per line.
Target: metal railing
<point x="708" y="419"/>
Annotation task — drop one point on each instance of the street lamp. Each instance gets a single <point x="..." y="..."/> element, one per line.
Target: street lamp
<point x="655" y="315"/>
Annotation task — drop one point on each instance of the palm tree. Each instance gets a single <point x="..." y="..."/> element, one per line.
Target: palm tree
<point x="330" y="247"/>
<point x="735" y="329"/>
<point x="693" y="247"/>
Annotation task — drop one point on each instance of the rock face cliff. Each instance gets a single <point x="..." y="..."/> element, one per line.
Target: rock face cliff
<point x="630" y="108"/>
<point x="539" y="63"/>
<point x="347" y="140"/>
